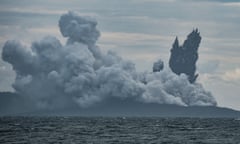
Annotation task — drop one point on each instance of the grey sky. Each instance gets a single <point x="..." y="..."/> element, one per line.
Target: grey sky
<point x="142" y="31"/>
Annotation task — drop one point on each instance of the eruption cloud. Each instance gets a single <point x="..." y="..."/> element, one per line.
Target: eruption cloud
<point x="52" y="75"/>
<point x="183" y="58"/>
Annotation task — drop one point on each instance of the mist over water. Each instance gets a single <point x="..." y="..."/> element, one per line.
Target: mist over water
<point x="52" y="75"/>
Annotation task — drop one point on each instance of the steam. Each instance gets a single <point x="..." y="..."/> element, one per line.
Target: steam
<point x="53" y="75"/>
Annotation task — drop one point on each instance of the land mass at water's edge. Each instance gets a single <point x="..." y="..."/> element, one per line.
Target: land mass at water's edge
<point x="13" y="105"/>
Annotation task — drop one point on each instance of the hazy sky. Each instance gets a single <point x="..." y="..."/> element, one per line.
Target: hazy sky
<point x="142" y="31"/>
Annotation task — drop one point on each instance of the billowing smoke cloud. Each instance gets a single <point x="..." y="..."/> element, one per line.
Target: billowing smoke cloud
<point x="53" y="75"/>
<point x="80" y="29"/>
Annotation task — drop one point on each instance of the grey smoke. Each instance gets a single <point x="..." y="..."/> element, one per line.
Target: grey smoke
<point x="158" y="66"/>
<point x="81" y="29"/>
<point x="53" y="75"/>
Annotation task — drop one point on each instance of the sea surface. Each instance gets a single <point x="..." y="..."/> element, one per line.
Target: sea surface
<point x="124" y="130"/>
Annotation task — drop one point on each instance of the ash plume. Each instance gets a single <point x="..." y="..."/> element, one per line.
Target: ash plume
<point x="183" y="58"/>
<point x="52" y="75"/>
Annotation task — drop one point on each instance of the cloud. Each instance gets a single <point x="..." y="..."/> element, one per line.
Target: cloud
<point x="133" y="38"/>
<point x="31" y="11"/>
<point x="219" y="1"/>
<point x="165" y="1"/>
<point x="225" y="1"/>
<point x="225" y="88"/>
<point x="232" y="4"/>
<point x="232" y="75"/>
<point x="209" y="66"/>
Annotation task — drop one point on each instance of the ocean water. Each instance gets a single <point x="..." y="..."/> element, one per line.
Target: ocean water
<point x="104" y="130"/>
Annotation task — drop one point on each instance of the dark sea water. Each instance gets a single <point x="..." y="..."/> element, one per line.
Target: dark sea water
<point x="101" y="130"/>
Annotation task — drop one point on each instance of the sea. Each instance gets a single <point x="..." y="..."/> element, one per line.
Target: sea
<point x="118" y="130"/>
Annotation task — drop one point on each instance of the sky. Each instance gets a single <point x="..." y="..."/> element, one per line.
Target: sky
<point x="142" y="31"/>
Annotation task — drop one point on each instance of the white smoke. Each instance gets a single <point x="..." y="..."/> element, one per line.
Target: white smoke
<point x="53" y="75"/>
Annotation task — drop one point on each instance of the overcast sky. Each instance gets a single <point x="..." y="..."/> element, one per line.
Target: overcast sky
<point x="142" y="31"/>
